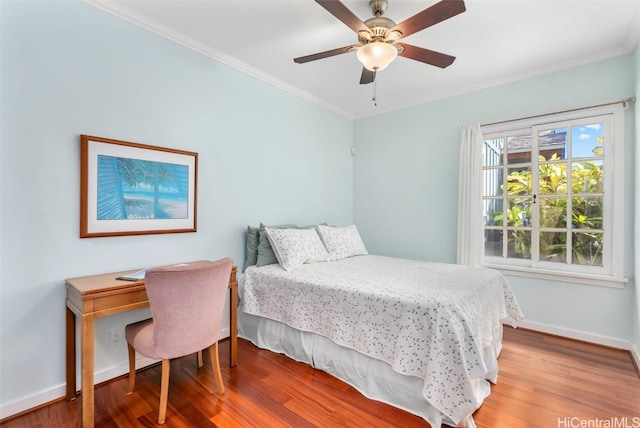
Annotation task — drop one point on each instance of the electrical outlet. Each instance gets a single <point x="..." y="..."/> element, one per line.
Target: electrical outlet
<point x="115" y="337"/>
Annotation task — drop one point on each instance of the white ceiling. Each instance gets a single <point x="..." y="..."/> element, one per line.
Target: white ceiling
<point x="495" y="41"/>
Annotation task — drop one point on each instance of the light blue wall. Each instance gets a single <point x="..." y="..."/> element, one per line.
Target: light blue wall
<point x="70" y="69"/>
<point x="406" y="185"/>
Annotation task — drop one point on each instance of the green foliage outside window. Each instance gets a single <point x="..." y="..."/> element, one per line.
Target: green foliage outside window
<point x="554" y="202"/>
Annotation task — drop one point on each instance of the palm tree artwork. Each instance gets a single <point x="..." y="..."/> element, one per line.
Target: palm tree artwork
<point x="132" y="189"/>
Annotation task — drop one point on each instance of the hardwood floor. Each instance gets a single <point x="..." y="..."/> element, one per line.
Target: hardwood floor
<point x="545" y="381"/>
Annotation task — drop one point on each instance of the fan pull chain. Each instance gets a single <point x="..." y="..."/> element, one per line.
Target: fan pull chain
<point x="375" y="93"/>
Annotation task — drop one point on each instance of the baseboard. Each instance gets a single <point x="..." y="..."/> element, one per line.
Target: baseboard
<point x="9" y="409"/>
<point x="635" y="355"/>
<point x="59" y="391"/>
<point x="120" y="369"/>
<point x="579" y="335"/>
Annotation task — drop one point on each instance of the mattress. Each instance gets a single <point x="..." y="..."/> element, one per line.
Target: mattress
<point x="434" y="326"/>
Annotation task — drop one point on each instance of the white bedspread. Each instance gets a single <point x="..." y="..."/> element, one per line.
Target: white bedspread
<point x="428" y="320"/>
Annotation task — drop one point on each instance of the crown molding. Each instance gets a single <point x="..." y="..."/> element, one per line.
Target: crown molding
<point x="126" y="14"/>
<point x="510" y="78"/>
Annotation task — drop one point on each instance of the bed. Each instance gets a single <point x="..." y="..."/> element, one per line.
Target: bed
<point x="421" y="336"/>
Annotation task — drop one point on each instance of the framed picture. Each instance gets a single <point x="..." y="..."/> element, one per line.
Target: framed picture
<point x="135" y="189"/>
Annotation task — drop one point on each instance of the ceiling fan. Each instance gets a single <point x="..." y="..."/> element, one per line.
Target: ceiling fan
<point x="379" y="36"/>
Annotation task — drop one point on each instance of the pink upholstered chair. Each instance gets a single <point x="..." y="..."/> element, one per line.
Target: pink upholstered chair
<point x="187" y="302"/>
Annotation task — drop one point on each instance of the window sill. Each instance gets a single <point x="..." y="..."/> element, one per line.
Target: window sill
<point x="573" y="277"/>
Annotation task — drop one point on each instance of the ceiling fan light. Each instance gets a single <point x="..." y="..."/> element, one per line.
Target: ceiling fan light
<point x="376" y="56"/>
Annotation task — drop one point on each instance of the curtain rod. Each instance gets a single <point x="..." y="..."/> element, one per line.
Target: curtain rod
<point x="623" y="101"/>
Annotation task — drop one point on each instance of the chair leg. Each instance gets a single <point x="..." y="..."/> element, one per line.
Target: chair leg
<point x="200" y="359"/>
<point x="215" y="363"/>
<point x="164" y="390"/>
<point x="132" y="368"/>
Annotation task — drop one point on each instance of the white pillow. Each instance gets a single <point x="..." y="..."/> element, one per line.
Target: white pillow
<point x="293" y="247"/>
<point x="342" y="242"/>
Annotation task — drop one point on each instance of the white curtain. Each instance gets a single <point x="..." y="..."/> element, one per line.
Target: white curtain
<point x="470" y="206"/>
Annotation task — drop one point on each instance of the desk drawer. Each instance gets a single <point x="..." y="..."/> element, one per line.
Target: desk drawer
<point x="107" y="305"/>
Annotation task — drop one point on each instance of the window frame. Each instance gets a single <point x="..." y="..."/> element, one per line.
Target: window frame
<point x="611" y="274"/>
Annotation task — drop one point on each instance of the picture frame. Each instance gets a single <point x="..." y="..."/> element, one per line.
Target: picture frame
<point x="128" y="188"/>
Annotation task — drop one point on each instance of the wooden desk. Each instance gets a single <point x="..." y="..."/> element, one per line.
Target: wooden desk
<point x="98" y="296"/>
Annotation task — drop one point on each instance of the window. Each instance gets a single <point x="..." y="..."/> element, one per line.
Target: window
<point x="553" y="196"/>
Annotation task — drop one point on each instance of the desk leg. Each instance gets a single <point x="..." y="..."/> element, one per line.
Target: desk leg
<point x="87" y="371"/>
<point x="71" y="354"/>
<point x="233" y="326"/>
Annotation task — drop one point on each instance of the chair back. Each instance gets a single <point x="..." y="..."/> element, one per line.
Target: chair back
<point x="187" y="303"/>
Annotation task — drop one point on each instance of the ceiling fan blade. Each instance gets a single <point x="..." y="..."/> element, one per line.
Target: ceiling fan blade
<point x="367" y="76"/>
<point x="325" y="54"/>
<point x="439" y="12"/>
<point x="340" y="11"/>
<point x="425" y="55"/>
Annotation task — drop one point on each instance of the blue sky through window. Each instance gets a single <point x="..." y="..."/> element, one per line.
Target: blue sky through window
<point x="585" y="139"/>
